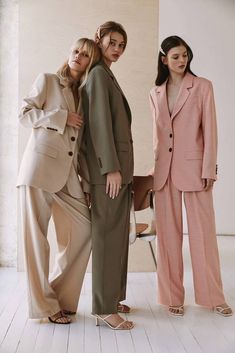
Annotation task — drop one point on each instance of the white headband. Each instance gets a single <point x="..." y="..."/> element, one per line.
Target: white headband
<point x="162" y="51"/>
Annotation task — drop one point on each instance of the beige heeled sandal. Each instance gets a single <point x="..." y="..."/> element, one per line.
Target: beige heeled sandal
<point x="59" y="318"/>
<point x="176" y="310"/>
<point x="118" y="327"/>
<point x="223" y="310"/>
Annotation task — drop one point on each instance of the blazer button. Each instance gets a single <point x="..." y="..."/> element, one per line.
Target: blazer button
<point x="70" y="153"/>
<point x="170" y="135"/>
<point x="73" y="138"/>
<point x="170" y="149"/>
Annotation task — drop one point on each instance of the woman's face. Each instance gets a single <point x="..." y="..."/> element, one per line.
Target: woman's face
<point x="78" y="62"/>
<point x="112" y="47"/>
<point x="176" y="59"/>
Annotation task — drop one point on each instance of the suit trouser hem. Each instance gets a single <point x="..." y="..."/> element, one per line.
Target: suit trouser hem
<point x="110" y="244"/>
<point x="41" y="315"/>
<point x="71" y="216"/>
<point x="202" y="243"/>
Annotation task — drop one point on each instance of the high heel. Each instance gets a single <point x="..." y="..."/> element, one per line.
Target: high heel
<point x="59" y="318"/>
<point x="97" y="321"/>
<point x="118" y="327"/>
<point x="176" y="310"/>
<point x="224" y="310"/>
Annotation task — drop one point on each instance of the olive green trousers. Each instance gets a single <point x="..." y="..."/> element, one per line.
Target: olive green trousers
<point x="110" y="244"/>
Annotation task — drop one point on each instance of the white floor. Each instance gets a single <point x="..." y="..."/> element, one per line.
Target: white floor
<point x="199" y="331"/>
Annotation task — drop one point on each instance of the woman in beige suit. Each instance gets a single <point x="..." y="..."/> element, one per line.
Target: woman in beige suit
<point x="185" y="148"/>
<point x="49" y="184"/>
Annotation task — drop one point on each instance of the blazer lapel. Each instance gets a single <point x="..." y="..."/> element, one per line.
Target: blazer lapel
<point x="68" y="96"/>
<point x="183" y="94"/>
<point x="162" y="100"/>
<point x="117" y="85"/>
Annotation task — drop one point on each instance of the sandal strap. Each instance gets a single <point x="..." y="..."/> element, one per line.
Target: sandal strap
<point x="180" y="307"/>
<point x="123" y="322"/>
<point x="120" y="304"/>
<point x="221" y="308"/>
<point x="123" y="308"/>
<point x="104" y="318"/>
<point x="58" y="316"/>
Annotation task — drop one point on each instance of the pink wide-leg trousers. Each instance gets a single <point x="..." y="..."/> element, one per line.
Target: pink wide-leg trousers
<point x="202" y="241"/>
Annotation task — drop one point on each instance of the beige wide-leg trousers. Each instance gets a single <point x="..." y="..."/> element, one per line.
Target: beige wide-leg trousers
<point x="202" y="242"/>
<point x="73" y="231"/>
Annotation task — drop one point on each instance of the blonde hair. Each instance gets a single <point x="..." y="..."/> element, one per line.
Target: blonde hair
<point x="93" y="51"/>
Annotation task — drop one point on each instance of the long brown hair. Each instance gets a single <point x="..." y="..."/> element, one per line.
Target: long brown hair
<point x="167" y="44"/>
<point x="108" y="28"/>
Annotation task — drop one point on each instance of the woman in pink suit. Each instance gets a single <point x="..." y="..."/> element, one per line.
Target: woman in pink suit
<point x="185" y="148"/>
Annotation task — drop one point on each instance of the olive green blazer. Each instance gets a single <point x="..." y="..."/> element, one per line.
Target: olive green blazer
<point x="109" y="145"/>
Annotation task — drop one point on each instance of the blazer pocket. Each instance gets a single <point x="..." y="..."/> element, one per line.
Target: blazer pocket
<point x="194" y="155"/>
<point x="47" y="150"/>
<point x="122" y="146"/>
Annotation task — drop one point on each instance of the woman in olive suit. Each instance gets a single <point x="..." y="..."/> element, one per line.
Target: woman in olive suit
<point x="110" y="163"/>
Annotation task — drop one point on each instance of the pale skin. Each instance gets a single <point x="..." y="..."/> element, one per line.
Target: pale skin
<point x="176" y="60"/>
<point x="112" y="47"/>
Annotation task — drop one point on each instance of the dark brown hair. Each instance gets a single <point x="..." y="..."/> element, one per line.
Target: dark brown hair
<point x="167" y="44"/>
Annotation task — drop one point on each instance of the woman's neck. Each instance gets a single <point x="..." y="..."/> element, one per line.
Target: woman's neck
<point x="175" y="79"/>
<point x="75" y="75"/>
<point x="107" y="62"/>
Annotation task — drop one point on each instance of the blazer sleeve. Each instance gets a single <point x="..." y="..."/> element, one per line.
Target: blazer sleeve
<point x="32" y="113"/>
<point x="100" y="120"/>
<point x="83" y="170"/>
<point x="155" y="142"/>
<point x="209" y="127"/>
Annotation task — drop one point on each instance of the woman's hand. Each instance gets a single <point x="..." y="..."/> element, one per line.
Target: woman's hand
<point x="113" y="184"/>
<point x="207" y="183"/>
<point x="151" y="171"/>
<point x="88" y="199"/>
<point x="74" y="120"/>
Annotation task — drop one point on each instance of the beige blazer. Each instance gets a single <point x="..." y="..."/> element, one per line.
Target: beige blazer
<point x="109" y="144"/>
<point x="49" y="154"/>
<point x="185" y="143"/>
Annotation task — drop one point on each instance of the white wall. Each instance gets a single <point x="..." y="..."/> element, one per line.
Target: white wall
<point x="8" y="130"/>
<point x="208" y="26"/>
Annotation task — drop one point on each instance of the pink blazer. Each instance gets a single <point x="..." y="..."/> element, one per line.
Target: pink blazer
<point x="185" y="143"/>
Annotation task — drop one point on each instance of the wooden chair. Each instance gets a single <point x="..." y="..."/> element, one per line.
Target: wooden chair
<point x="143" y="200"/>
